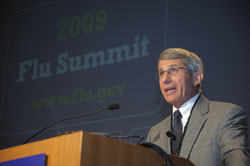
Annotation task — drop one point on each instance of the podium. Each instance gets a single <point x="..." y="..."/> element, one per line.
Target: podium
<point x="86" y="149"/>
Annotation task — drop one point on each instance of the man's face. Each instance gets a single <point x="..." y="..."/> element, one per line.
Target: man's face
<point x="177" y="87"/>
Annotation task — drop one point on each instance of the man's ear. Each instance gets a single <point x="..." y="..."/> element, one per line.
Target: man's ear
<point x="197" y="78"/>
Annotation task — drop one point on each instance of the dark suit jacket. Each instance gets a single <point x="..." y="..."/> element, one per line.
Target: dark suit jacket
<point x="216" y="135"/>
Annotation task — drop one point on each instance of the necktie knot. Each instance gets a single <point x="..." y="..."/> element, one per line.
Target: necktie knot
<point x="177" y="115"/>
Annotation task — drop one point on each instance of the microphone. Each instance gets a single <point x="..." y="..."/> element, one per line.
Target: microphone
<point x="113" y="106"/>
<point x="109" y="107"/>
<point x="170" y="135"/>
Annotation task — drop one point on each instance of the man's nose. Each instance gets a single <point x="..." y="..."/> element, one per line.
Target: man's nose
<point x="165" y="78"/>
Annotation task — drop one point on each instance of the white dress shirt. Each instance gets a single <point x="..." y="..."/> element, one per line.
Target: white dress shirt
<point x="185" y="110"/>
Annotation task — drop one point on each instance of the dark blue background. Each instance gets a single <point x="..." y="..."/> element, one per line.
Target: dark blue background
<point x="218" y="31"/>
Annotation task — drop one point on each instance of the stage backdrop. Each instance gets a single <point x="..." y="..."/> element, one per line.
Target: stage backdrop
<point x="65" y="58"/>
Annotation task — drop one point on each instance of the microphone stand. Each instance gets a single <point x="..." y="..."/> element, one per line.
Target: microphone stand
<point x="109" y="107"/>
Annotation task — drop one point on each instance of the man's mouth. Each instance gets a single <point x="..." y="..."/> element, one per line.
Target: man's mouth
<point x="170" y="89"/>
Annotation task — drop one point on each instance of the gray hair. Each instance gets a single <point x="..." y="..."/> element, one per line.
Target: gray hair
<point x="191" y="60"/>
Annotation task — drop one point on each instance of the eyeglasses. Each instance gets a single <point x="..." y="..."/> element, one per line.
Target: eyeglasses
<point x="171" y="71"/>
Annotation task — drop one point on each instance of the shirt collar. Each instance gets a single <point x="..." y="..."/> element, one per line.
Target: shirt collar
<point x="187" y="106"/>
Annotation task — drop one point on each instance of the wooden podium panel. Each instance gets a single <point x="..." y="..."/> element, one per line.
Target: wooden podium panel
<point x="85" y="149"/>
<point x="61" y="151"/>
<point x="110" y="152"/>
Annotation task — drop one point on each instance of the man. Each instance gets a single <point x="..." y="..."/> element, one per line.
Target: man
<point x="205" y="132"/>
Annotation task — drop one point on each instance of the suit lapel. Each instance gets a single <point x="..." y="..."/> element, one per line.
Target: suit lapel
<point x="196" y="122"/>
<point x="164" y="139"/>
